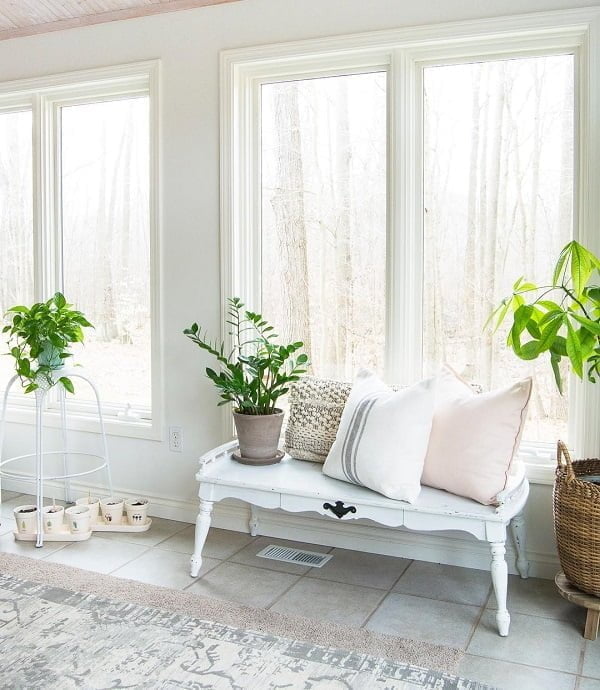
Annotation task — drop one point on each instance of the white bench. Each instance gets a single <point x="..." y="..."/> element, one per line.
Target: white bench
<point x="298" y="486"/>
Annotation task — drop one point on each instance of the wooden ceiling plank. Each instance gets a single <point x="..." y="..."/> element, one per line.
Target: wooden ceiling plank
<point x="117" y="15"/>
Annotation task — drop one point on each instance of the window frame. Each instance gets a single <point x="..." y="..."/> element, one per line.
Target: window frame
<point x="405" y="53"/>
<point x="45" y="96"/>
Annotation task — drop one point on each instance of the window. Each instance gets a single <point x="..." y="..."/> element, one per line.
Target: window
<point x="381" y="193"/>
<point x="88" y="177"/>
<point x="498" y="203"/>
<point x="323" y="211"/>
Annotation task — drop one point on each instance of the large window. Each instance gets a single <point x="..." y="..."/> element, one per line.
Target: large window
<point x="77" y="201"/>
<point x="382" y="193"/>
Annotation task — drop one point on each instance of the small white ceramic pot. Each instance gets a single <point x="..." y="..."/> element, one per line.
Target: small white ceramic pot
<point x="112" y="510"/>
<point x="78" y="518"/>
<point x="137" y="511"/>
<point x="93" y="504"/>
<point x="26" y="519"/>
<point x="53" y="518"/>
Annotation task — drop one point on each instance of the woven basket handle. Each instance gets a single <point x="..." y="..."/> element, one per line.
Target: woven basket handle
<point x="563" y="459"/>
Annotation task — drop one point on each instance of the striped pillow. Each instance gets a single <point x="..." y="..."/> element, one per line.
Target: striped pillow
<point x="382" y="438"/>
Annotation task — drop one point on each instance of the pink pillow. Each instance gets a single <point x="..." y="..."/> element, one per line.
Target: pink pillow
<point x="474" y="437"/>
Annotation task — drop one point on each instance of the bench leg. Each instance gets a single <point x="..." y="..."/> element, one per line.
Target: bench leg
<point x="202" y="526"/>
<point x="500" y="582"/>
<point x="517" y="527"/>
<point x="591" y="624"/>
<point x="253" y="522"/>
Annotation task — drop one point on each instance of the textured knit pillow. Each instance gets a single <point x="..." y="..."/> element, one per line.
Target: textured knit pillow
<point x="474" y="437"/>
<point x="382" y="438"/>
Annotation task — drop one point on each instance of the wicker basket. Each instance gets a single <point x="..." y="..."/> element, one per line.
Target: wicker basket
<point x="577" y="521"/>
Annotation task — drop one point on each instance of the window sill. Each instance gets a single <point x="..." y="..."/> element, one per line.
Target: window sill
<point x="78" y="421"/>
<point x="539" y="473"/>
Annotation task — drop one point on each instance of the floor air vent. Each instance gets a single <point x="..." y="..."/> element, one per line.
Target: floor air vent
<point x="287" y="555"/>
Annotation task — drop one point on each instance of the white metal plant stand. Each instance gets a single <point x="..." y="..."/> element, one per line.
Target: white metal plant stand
<point x="40" y="478"/>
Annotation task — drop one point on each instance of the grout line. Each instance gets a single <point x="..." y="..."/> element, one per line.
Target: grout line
<point x="139" y="555"/>
<point x="479" y="617"/>
<point x="521" y="663"/>
<point x="582" y="652"/>
<point x="389" y="591"/>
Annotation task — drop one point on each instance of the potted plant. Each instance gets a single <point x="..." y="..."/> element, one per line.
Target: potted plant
<point x="253" y="376"/>
<point x="39" y="338"/>
<point x="563" y="320"/>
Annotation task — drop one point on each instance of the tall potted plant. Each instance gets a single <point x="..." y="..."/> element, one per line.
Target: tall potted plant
<point x="39" y="338"/>
<point x="562" y="319"/>
<point x="253" y="376"/>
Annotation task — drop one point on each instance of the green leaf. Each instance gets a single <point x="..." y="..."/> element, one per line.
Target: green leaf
<point x="67" y="383"/>
<point x="59" y="300"/>
<point x="592" y="326"/>
<point x="581" y="267"/>
<point x="555" y="363"/>
<point x="574" y="350"/>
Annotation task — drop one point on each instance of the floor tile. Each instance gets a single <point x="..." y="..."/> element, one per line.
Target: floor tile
<point x="160" y="530"/>
<point x="588" y="684"/>
<point x="532" y="640"/>
<point x="332" y="601"/>
<point x="220" y="543"/>
<point x="446" y="583"/>
<point x="97" y="554"/>
<point x="243" y="584"/>
<point x="247" y="556"/>
<point x="358" y="568"/>
<point x="8" y="544"/>
<point x="7" y="524"/>
<point x="164" y="568"/>
<point x="538" y="598"/>
<point x="502" y="674"/>
<point x="439" y="622"/>
<point x="591" y="659"/>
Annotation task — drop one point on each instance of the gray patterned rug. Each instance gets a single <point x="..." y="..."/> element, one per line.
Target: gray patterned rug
<point x="55" y="638"/>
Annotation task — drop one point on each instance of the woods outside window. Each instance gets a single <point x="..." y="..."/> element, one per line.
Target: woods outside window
<point x="78" y="202"/>
<point x="381" y="193"/>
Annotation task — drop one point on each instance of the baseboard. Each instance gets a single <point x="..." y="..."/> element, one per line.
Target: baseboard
<point x="451" y="548"/>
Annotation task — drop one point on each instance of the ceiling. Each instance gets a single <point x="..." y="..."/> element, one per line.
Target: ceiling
<point x="28" y="17"/>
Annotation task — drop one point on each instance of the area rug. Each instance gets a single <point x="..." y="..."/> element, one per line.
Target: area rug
<point x="68" y="628"/>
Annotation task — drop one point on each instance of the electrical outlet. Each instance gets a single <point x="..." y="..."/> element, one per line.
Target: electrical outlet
<point x="175" y="439"/>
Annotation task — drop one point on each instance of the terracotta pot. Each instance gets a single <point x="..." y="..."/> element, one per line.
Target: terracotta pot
<point x="258" y="436"/>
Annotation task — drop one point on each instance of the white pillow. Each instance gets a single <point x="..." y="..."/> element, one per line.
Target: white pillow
<point x="474" y="437"/>
<point x="382" y="438"/>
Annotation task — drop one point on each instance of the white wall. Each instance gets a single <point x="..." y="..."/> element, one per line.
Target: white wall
<point x="188" y="45"/>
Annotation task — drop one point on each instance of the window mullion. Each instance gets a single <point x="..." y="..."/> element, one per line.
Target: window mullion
<point x="405" y="233"/>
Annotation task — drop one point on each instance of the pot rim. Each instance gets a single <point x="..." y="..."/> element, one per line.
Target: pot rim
<point x="276" y="413"/>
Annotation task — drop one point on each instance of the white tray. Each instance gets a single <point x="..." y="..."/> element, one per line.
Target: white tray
<point x="124" y="527"/>
<point x="63" y="535"/>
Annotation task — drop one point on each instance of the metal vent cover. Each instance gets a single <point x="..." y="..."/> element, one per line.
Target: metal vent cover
<point x="298" y="556"/>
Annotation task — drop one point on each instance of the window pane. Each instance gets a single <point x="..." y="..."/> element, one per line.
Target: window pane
<point x="323" y="159"/>
<point x="498" y="183"/>
<point x="106" y="242"/>
<point x="16" y="220"/>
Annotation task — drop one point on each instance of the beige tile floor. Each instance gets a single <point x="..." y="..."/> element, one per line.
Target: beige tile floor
<point x="426" y="601"/>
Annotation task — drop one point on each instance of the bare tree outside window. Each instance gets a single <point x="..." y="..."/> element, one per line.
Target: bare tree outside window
<point x="106" y="241"/>
<point x="498" y="203"/>
<point x="323" y="185"/>
<point x="16" y="219"/>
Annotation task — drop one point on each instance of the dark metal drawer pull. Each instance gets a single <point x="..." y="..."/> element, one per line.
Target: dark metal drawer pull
<point x="339" y="509"/>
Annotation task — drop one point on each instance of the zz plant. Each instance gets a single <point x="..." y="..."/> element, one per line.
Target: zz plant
<point x="561" y="318"/>
<point x="257" y="371"/>
<point x="39" y="337"/>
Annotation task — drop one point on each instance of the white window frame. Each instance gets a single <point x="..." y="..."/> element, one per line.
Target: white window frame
<point x="404" y="53"/>
<point x="45" y="96"/>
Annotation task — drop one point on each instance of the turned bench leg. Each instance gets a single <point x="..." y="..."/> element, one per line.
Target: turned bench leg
<point x="202" y="527"/>
<point x="517" y="527"/>
<point x="500" y="582"/>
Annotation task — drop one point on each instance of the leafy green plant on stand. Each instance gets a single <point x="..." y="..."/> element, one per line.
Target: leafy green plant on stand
<point x="257" y="371"/>
<point x="561" y="318"/>
<point x="39" y="337"/>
